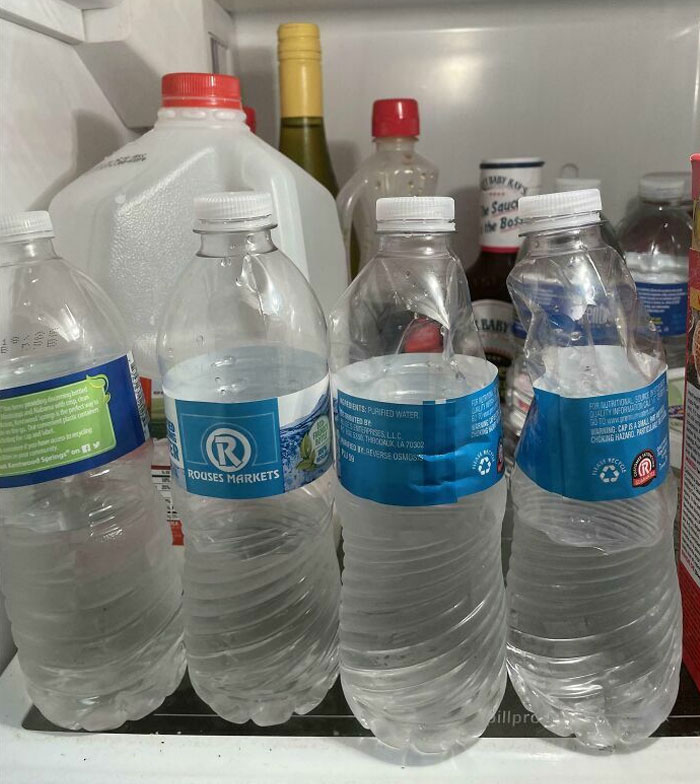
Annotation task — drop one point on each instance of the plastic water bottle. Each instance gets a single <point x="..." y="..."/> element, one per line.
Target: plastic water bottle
<point x="594" y="640"/>
<point x="572" y="182"/>
<point x="656" y="237"/>
<point x="242" y="351"/>
<point x="419" y="460"/>
<point x="91" y="587"/>
<point x="518" y="387"/>
<point x="127" y="221"/>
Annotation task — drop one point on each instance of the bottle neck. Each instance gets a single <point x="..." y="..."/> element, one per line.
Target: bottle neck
<point x="395" y="143"/>
<point x="224" y="244"/>
<point x="301" y="87"/>
<point x="303" y="140"/>
<point x="418" y="244"/>
<point x="26" y="250"/>
<point x="552" y="242"/>
<point x="195" y="116"/>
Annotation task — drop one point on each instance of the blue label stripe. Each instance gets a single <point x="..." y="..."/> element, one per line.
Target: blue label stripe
<point x="123" y="409"/>
<point x="419" y="455"/>
<point x="597" y="448"/>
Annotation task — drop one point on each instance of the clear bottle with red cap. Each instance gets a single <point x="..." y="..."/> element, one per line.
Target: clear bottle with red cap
<point x="394" y="169"/>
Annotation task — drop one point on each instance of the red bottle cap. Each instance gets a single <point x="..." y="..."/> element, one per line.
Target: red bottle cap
<point x="395" y="117"/>
<point x="250" y="119"/>
<point x="201" y="89"/>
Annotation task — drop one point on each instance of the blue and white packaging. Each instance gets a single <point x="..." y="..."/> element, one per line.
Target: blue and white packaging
<point x="252" y="449"/>
<point x="418" y="454"/>
<point x="601" y="447"/>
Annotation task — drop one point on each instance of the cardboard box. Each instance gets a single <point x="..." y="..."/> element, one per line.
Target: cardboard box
<point x="689" y="568"/>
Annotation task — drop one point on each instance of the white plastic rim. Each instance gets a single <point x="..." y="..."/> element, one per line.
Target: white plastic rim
<point x="237" y="209"/>
<point x="665" y="186"/>
<point x="416" y="213"/>
<point x="17" y="225"/>
<point x="560" y="210"/>
<point x="566" y="184"/>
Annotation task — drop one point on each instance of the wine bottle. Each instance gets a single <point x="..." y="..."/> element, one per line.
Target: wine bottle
<point x="302" y="134"/>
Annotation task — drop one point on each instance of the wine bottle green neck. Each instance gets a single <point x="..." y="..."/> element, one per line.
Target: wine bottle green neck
<point x="303" y="139"/>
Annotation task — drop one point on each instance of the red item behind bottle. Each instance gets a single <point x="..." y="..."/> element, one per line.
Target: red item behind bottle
<point x="689" y="566"/>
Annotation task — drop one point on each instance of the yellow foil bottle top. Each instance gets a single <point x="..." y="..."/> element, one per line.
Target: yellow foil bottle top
<point x="299" y="53"/>
<point x="298" y="41"/>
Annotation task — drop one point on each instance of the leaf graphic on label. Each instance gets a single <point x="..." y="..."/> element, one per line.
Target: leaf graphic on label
<point x="307" y="454"/>
<point x="306" y="448"/>
<point x="100" y="382"/>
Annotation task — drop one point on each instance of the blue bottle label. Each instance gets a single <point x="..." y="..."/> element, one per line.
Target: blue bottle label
<point x="431" y="453"/>
<point x="597" y="448"/>
<point x="67" y="425"/>
<point x="250" y="450"/>
<point x="667" y="304"/>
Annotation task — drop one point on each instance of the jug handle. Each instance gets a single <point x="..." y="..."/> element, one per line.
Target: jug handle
<point x="346" y="202"/>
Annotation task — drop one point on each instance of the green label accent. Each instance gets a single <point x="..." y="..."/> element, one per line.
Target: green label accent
<point x="55" y="427"/>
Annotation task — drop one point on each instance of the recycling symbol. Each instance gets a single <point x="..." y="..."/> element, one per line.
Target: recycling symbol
<point x="609" y="474"/>
<point x="484" y="465"/>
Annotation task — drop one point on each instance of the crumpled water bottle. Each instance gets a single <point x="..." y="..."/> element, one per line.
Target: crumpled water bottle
<point x="594" y="641"/>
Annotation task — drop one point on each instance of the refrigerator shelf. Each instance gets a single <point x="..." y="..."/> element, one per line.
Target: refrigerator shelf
<point x="184" y="737"/>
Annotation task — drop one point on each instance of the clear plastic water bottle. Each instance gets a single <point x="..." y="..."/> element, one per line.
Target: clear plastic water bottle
<point x="394" y="169"/>
<point x="92" y="591"/>
<point x="594" y="640"/>
<point x="519" y="392"/>
<point x="242" y="351"/>
<point x="572" y="182"/>
<point x="656" y="237"/>
<point x="419" y="460"/>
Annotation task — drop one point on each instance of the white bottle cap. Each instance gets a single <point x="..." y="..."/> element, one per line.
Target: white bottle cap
<point x="234" y="211"/>
<point x="409" y="214"/>
<point x="664" y="186"/>
<point x="17" y="225"/>
<point x="560" y="210"/>
<point x="564" y="184"/>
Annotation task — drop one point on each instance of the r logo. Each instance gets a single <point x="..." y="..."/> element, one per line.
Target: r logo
<point x="228" y="449"/>
<point x="643" y="468"/>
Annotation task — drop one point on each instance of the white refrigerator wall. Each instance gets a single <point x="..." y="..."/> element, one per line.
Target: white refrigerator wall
<point x="614" y="87"/>
<point x="55" y="121"/>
